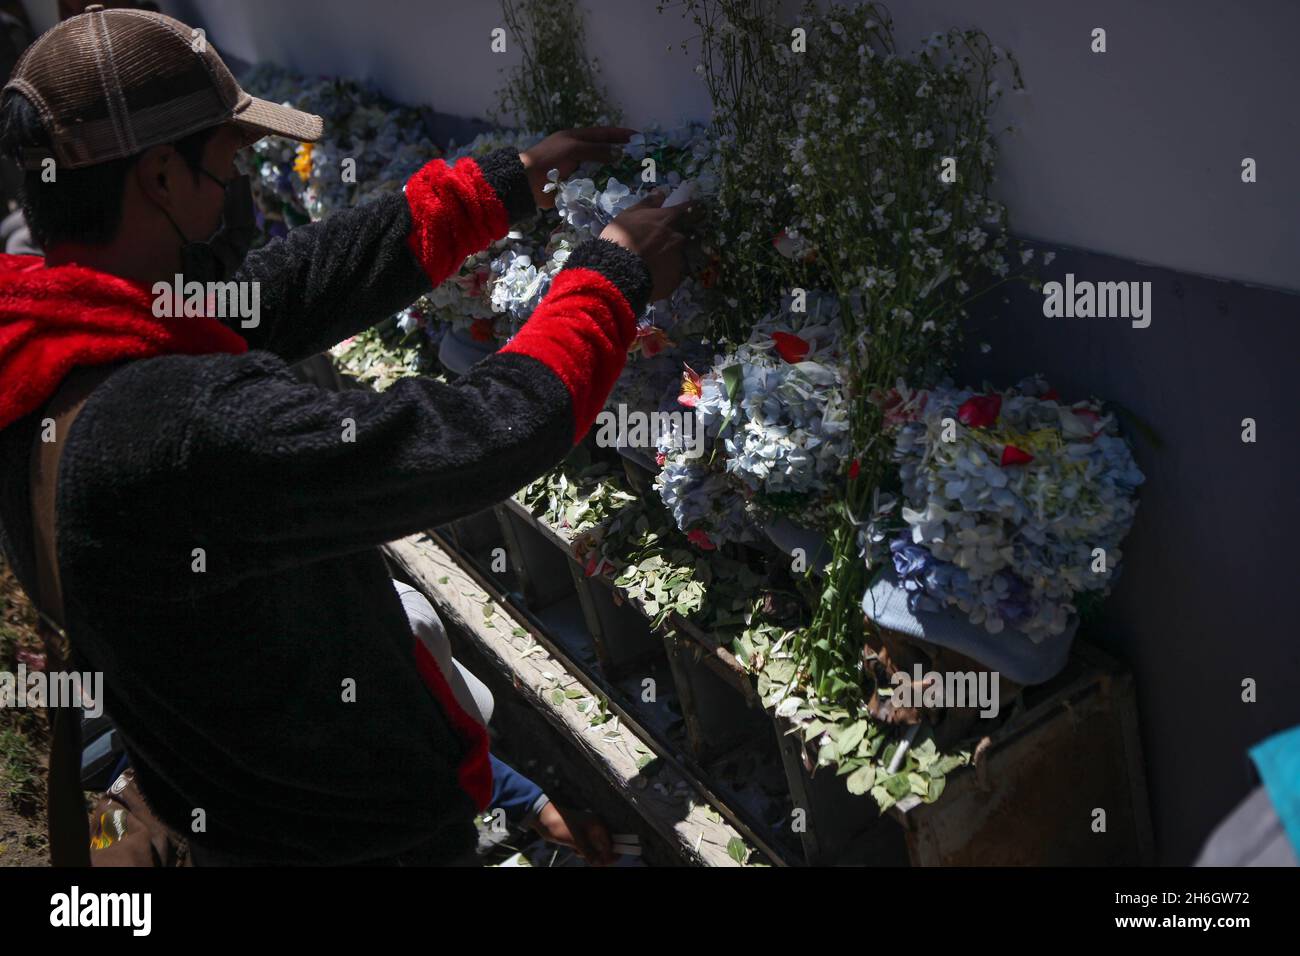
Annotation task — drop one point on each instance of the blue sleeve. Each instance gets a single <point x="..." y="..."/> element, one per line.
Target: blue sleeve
<point x="514" y="793"/>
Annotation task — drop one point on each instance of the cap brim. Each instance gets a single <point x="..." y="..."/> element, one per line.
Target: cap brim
<point x="264" y="118"/>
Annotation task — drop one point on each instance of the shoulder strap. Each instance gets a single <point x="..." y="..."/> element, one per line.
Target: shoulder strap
<point x="68" y="833"/>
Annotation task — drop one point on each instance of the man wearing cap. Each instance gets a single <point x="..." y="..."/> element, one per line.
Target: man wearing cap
<point x="217" y="521"/>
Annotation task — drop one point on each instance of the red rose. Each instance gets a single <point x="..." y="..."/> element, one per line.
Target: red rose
<point x="1011" y="455"/>
<point x="480" y="330"/>
<point x="790" y="347"/>
<point x="854" y="468"/>
<point x="980" y="411"/>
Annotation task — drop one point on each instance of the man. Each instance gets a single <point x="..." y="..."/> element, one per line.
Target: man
<point x="218" y="522"/>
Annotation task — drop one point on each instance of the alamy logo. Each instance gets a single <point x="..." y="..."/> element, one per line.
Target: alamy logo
<point x="949" y="689"/>
<point x="213" y="300"/>
<point x="59" y="689"/>
<point x="637" y="429"/>
<point x="103" y="909"/>
<point x="1102" y="300"/>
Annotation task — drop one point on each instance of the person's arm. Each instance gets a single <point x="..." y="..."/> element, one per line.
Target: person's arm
<point x="514" y="794"/>
<point x="328" y="280"/>
<point x="526" y="804"/>
<point x="293" y="474"/>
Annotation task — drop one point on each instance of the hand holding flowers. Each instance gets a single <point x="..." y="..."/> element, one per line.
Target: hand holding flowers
<point x="650" y="231"/>
<point x="565" y="151"/>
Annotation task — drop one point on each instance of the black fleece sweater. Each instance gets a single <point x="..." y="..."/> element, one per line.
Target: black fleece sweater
<point x="227" y="685"/>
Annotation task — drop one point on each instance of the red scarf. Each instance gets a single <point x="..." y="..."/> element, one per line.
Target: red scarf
<point x="55" y="319"/>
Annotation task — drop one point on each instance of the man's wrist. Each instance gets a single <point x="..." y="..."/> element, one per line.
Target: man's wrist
<point x="621" y="266"/>
<point x="506" y="174"/>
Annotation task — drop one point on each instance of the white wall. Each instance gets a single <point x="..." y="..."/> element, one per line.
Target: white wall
<point x="1135" y="152"/>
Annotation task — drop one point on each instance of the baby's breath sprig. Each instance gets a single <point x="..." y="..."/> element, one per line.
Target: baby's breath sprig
<point x="555" y="86"/>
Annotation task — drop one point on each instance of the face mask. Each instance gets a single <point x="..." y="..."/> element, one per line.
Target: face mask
<point x="219" y="257"/>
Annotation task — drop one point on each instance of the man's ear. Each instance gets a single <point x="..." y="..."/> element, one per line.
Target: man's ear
<point x="156" y="175"/>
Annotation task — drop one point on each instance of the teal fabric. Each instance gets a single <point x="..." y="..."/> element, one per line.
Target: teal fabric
<point x="1278" y="762"/>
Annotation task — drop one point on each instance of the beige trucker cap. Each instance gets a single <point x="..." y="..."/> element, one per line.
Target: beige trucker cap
<point x="110" y="83"/>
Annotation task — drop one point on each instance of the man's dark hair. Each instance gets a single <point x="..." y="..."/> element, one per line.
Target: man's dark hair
<point x="81" y="205"/>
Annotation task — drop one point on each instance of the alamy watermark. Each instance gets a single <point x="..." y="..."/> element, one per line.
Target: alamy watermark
<point x="58" y="689"/>
<point x="1102" y="300"/>
<point x="76" y="909"/>
<point x="948" y="689"/>
<point x="215" y="300"/>
<point x="624" y="428"/>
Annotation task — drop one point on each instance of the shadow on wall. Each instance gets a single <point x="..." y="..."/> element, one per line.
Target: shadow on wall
<point x="1205" y="599"/>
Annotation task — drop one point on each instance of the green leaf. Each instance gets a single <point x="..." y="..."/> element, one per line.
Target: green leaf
<point x="826" y="755"/>
<point x="732" y="377"/>
<point x="882" y="797"/>
<point x="936" y="788"/>
<point x="861" y="780"/>
<point x="898" y="785"/>
<point x="557" y="697"/>
<point x="780" y="671"/>
<point x="847" y="740"/>
<point x="737" y="850"/>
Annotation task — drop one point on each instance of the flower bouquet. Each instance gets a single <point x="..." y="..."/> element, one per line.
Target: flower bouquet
<point x="774" y="416"/>
<point x="1015" y="505"/>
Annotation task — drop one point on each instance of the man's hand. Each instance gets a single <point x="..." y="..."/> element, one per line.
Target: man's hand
<point x="565" y="150"/>
<point x="581" y="832"/>
<point x="651" y="233"/>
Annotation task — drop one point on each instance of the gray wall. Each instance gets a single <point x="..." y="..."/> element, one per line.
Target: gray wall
<point x="1205" y="598"/>
<point x="1134" y="154"/>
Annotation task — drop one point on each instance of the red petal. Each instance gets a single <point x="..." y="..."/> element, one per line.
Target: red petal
<point x="701" y="540"/>
<point x="481" y="330"/>
<point x="854" y="469"/>
<point x="1011" y="455"/>
<point x="980" y="411"/>
<point x="790" y="347"/>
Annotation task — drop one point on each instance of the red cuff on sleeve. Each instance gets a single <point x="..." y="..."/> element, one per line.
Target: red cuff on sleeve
<point x="455" y="213"/>
<point x="581" y="331"/>
<point x="475" y="771"/>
